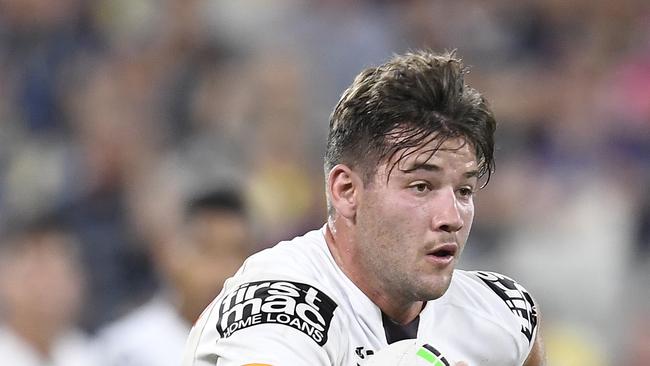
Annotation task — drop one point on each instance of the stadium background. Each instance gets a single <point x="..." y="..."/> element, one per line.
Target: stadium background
<point x="111" y="110"/>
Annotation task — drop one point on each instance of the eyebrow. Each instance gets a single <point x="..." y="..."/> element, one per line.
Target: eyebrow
<point x="429" y="167"/>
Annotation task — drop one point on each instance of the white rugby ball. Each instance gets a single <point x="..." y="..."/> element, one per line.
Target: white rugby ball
<point x="408" y="352"/>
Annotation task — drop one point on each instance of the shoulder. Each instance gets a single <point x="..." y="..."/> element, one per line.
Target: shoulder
<point x="490" y="314"/>
<point x="285" y="296"/>
<point x="281" y="307"/>
<point x="292" y="280"/>
<point x="499" y="297"/>
<point x="302" y="259"/>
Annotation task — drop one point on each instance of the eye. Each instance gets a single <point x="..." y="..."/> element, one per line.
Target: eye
<point x="420" y="187"/>
<point x="466" y="192"/>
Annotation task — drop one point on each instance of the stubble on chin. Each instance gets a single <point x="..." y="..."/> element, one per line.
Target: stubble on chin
<point x="435" y="288"/>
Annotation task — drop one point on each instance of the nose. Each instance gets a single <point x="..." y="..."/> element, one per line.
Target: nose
<point x="446" y="212"/>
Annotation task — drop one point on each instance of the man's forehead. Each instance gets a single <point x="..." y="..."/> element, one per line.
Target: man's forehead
<point x="435" y="152"/>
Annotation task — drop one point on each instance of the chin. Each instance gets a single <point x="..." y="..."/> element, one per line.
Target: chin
<point x="438" y="287"/>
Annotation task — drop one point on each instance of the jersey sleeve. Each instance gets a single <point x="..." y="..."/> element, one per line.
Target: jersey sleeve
<point x="522" y="308"/>
<point x="273" y="322"/>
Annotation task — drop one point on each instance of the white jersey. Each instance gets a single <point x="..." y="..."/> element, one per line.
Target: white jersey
<point x="292" y="305"/>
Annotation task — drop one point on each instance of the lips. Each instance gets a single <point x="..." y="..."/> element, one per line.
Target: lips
<point x="444" y="250"/>
<point x="443" y="253"/>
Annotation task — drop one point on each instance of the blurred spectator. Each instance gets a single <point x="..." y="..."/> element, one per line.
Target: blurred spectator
<point x="39" y="39"/>
<point x="282" y="184"/>
<point x="114" y="139"/>
<point x="209" y="246"/>
<point x="41" y="281"/>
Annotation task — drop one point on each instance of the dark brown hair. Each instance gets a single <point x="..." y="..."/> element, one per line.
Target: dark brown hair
<point x="408" y="102"/>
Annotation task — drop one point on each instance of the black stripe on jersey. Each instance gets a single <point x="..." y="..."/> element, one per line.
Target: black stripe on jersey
<point x="437" y="353"/>
<point x="397" y="332"/>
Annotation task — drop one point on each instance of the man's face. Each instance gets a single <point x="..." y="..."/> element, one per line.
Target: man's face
<point x="412" y="227"/>
<point x="41" y="284"/>
<point x="214" y="246"/>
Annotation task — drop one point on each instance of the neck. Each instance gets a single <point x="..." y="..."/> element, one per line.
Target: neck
<point x="185" y="306"/>
<point x="341" y="244"/>
<point x="39" y="337"/>
<point x="188" y="313"/>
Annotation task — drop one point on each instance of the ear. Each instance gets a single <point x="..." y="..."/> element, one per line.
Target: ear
<point x="344" y="187"/>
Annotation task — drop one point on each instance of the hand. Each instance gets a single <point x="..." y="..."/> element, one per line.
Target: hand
<point x="461" y="363"/>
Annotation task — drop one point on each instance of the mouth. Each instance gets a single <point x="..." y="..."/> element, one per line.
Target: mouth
<point x="443" y="254"/>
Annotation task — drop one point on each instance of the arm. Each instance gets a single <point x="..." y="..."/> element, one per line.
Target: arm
<point x="265" y="344"/>
<point x="526" y="309"/>
<point x="276" y="347"/>
<point x="537" y="355"/>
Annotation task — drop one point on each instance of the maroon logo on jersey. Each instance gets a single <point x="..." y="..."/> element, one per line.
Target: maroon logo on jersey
<point x="292" y="304"/>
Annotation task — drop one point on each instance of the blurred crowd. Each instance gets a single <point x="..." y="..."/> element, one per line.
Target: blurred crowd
<point x="115" y="115"/>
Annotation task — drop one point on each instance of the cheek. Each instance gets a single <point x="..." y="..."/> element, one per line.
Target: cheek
<point x="393" y="222"/>
<point x="467" y="214"/>
<point x="382" y="222"/>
